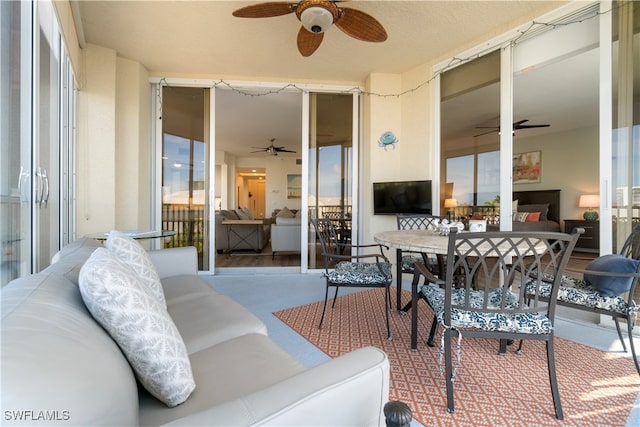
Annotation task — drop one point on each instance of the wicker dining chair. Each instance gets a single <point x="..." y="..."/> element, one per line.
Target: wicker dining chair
<point x="406" y="259"/>
<point x="487" y="301"/>
<point x="344" y="269"/>
<point x="583" y="295"/>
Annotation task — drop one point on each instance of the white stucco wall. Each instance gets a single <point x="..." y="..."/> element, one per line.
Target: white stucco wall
<point x="96" y="142"/>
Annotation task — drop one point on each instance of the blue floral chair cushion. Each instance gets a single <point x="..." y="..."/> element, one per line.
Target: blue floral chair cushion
<point x="532" y="323"/>
<point x="360" y="273"/>
<point x="408" y="261"/>
<point x="581" y="292"/>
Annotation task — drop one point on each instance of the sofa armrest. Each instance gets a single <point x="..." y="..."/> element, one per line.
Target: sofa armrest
<point x="350" y="390"/>
<point x="175" y="261"/>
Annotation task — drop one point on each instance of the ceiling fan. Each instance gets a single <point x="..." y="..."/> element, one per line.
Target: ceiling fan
<point x="317" y="16"/>
<point x="520" y="124"/>
<point x="272" y="149"/>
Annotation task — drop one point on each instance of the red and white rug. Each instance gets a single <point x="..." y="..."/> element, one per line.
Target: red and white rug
<point x="597" y="388"/>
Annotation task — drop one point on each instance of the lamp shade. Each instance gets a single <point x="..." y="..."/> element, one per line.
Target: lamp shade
<point x="589" y="201"/>
<point x="450" y="203"/>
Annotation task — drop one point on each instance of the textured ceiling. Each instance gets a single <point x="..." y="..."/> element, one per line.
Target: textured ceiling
<point x="203" y="39"/>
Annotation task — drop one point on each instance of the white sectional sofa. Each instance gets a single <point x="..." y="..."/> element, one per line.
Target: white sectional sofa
<point x="285" y="235"/>
<point x="60" y="367"/>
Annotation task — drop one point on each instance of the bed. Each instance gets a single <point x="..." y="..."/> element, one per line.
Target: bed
<point x="536" y="201"/>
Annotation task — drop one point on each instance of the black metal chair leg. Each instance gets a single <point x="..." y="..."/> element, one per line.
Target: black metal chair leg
<point x="624" y="346"/>
<point x="324" y="308"/>
<point x="432" y="332"/>
<point x="398" y="278"/>
<point x="633" y="347"/>
<point x="555" y="392"/>
<point x="406" y="308"/>
<point x="335" y="296"/>
<point x="387" y="306"/>
<point x="448" y="368"/>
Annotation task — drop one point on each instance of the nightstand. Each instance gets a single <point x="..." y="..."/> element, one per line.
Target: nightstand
<point x="590" y="240"/>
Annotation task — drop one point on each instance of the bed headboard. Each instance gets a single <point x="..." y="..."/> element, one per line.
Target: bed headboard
<point x="541" y="196"/>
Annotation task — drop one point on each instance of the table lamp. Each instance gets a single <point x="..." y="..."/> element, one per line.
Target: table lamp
<point x="589" y="201"/>
<point x="450" y="204"/>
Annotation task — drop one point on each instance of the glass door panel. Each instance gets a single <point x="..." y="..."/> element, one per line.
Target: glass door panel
<point x="185" y="166"/>
<point x="46" y="172"/>
<point x="15" y="140"/>
<point x="626" y="121"/>
<point x="470" y="139"/>
<point x="330" y="166"/>
<point x="556" y="113"/>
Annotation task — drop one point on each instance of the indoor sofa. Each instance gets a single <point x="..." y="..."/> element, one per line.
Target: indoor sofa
<point x="286" y="235"/>
<point x="60" y="366"/>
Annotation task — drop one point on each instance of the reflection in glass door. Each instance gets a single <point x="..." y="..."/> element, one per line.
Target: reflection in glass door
<point x="626" y="122"/>
<point x="330" y="166"/>
<point x="185" y="166"/>
<point x="15" y="140"/>
<point x="470" y="139"/>
<point x="46" y="171"/>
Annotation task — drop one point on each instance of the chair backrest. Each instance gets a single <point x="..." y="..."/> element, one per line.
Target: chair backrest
<point x="328" y="236"/>
<point x="417" y="221"/>
<point x="631" y="247"/>
<point x="500" y="264"/>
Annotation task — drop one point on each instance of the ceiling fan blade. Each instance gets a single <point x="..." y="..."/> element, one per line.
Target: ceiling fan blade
<point x="531" y="126"/>
<point x="265" y="10"/>
<point x="308" y="42"/>
<point x="486" y="133"/>
<point x="518" y="123"/>
<point x="361" y="26"/>
<point x="285" y="151"/>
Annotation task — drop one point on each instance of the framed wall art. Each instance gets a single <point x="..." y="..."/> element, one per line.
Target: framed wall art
<point x="527" y="167"/>
<point x="294" y="186"/>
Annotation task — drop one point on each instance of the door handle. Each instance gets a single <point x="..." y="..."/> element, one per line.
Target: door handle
<point x="23" y="190"/>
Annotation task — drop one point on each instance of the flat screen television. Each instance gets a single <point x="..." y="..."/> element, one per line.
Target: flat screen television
<point x="402" y="197"/>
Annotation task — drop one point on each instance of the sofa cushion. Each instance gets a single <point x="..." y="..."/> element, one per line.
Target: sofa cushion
<point x="209" y="319"/>
<point x="226" y="371"/>
<point x="136" y="257"/>
<point x="184" y="287"/>
<point x="285" y="213"/>
<point x="140" y="324"/>
<point x="55" y="356"/>
<point x="288" y="221"/>
<point x="611" y="286"/>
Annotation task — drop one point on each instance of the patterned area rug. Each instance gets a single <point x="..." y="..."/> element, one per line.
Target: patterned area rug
<point x="597" y="388"/>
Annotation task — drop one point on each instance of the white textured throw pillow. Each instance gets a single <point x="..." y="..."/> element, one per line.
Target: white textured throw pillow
<point x="135" y="319"/>
<point x="134" y="255"/>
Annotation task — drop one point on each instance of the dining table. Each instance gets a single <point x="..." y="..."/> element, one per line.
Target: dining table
<point x="427" y="242"/>
<point x="423" y="241"/>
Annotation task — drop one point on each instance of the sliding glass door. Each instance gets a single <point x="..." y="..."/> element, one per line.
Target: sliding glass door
<point x="37" y="127"/>
<point x="185" y="168"/>
<point x="330" y="171"/>
<point x="470" y="139"/>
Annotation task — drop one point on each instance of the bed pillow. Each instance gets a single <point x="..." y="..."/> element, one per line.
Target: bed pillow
<point x="543" y="208"/>
<point x="520" y="216"/>
<point x="118" y="300"/>
<point x="532" y="217"/>
<point x="136" y="257"/>
<point x="610" y="286"/>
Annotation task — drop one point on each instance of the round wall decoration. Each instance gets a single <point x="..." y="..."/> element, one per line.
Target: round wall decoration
<point x="386" y="139"/>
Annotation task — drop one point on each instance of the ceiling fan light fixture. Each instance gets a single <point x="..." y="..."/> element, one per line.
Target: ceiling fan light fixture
<point x="316" y="19"/>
